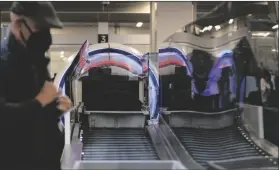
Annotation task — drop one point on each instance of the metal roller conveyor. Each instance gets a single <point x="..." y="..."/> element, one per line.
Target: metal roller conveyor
<point x="217" y="141"/>
<point x="247" y="163"/>
<point x="216" y="144"/>
<point x="119" y="140"/>
<point x="117" y="144"/>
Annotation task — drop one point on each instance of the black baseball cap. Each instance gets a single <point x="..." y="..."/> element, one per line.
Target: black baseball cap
<point x="41" y="12"/>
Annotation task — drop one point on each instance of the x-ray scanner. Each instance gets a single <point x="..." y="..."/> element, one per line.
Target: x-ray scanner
<point x="107" y="79"/>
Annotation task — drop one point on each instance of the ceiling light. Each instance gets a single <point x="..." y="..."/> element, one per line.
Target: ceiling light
<point x="273" y="50"/>
<point x="201" y="30"/>
<point x="257" y="34"/>
<point x="71" y="58"/>
<point x="61" y="56"/>
<point x="204" y="29"/>
<point x="62" y="53"/>
<point x="230" y="21"/>
<point x="139" y="24"/>
<point x="209" y="27"/>
<point x="64" y="59"/>
<point x="266" y="34"/>
<point x="261" y="34"/>
<point x="275" y="26"/>
<point x="217" y="27"/>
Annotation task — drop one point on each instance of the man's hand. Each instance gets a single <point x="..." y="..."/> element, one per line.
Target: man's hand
<point x="64" y="103"/>
<point x="48" y="94"/>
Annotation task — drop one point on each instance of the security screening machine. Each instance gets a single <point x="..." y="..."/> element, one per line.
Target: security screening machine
<point x="115" y="139"/>
<point x="123" y="137"/>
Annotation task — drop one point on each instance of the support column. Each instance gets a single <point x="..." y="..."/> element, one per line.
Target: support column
<point x="153" y="58"/>
<point x="194" y="12"/>
<point x="153" y="27"/>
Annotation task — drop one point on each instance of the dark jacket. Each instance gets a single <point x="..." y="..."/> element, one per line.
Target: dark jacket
<point x="30" y="136"/>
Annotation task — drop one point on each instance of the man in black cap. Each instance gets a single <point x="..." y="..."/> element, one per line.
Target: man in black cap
<point x="30" y="104"/>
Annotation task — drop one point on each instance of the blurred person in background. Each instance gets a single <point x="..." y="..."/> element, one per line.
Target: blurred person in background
<point x="30" y="105"/>
<point x="266" y="87"/>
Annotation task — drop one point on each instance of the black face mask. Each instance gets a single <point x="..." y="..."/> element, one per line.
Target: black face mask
<point x="38" y="43"/>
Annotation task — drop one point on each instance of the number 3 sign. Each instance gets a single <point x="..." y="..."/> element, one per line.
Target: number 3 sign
<point x="102" y="38"/>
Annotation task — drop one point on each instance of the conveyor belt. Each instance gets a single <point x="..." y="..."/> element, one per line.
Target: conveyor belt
<point x="252" y="163"/>
<point x="215" y="145"/>
<point x="117" y="144"/>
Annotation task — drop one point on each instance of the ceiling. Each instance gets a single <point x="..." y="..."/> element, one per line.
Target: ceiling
<point x="204" y="7"/>
<point x="114" y="12"/>
<point x="228" y="10"/>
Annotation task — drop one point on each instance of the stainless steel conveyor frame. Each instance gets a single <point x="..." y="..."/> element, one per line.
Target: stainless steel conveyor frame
<point x="200" y="138"/>
<point x="182" y="136"/>
<point x="119" y="135"/>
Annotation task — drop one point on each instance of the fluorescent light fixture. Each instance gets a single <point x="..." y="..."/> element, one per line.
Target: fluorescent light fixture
<point x="230" y="21"/>
<point x="275" y="26"/>
<point x="208" y="28"/>
<point x="201" y="30"/>
<point x="261" y="34"/>
<point x="266" y="34"/>
<point x="273" y="50"/>
<point x="62" y="53"/>
<point x="217" y="27"/>
<point x="62" y="56"/>
<point x="139" y="24"/>
<point x="204" y="29"/>
<point x="257" y="34"/>
<point x="70" y="58"/>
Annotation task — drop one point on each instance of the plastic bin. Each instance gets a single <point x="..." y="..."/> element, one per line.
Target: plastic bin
<point x="129" y="165"/>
